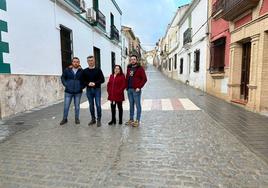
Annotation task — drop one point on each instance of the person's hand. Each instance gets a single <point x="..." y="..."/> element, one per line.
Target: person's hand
<point x="138" y="89"/>
<point x="92" y="84"/>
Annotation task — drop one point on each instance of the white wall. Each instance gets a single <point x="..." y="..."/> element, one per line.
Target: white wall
<point x="196" y="79"/>
<point x="34" y="37"/>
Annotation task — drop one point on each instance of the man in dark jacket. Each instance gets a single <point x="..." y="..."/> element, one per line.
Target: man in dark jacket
<point x="93" y="78"/>
<point x="135" y="80"/>
<point x="73" y="83"/>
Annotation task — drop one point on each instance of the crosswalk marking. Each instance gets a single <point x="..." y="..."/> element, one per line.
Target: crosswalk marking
<point x="147" y="105"/>
<point x="174" y="104"/>
<point x="166" y="105"/>
<point x="188" y="104"/>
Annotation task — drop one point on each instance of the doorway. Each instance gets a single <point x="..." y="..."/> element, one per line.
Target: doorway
<point x="97" y="56"/>
<point x="245" y="71"/>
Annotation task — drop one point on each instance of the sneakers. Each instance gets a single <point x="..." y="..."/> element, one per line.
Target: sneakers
<point x="129" y="122"/>
<point x="136" y="123"/>
<point x="133" y="123"/>
<point x="64" y="121"/>
<point x="77" y="121"/>
<point x="92" y="122"/>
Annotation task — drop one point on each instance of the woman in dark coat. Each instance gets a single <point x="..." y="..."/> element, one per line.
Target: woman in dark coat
<point x="115" y="88"/>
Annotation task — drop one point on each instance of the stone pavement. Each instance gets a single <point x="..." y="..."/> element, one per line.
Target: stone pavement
<point x="172" y="148"/>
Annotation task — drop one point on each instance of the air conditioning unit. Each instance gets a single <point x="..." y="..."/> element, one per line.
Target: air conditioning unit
<point x="91" y="15"/>
<point x="83" y="4"/>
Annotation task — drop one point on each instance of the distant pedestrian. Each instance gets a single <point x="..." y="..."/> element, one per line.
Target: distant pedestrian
<point x="135" y="80"/>
<point x="115" y="88"/>
<point x="73" y="83"/>
<point x="93" y="78"/>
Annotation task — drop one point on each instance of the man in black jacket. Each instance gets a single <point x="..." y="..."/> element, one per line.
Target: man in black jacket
<point x="93" y="78"/>
<point x="73" y="83"/>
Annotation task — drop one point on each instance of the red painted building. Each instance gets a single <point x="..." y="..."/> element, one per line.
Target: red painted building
<point x="219" y="53"/>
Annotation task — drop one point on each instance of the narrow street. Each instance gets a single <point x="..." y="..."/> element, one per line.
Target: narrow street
<point x="186" y="139"/>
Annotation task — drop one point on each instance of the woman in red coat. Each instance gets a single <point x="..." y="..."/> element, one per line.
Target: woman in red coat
<point x="115" y="87"/>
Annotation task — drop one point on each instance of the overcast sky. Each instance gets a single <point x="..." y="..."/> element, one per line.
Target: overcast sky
<point x="149" y="18"/>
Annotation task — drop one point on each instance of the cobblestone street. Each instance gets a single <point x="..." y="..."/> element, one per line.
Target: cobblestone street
<point x="179" y="144"/>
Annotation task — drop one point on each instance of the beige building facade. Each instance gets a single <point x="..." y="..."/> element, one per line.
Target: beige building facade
<point x="248" y="58"/>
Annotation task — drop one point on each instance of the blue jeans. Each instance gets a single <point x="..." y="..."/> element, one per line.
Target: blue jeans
<point x="134" y="99"/>
<point x="94" y="96"/>
<point x="67" y="102"/>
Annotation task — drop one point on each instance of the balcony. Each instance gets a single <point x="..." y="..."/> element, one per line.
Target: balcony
<point x="74" y="5"/>
<point x="101" y="21"/>
<point x="187" y="36"/>
<point x="231" y="9"/>
<point x="114" y="33"/>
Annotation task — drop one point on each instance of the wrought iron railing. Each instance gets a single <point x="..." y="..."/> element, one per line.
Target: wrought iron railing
<point x="232" y="8"/>
<point x="114" y="33"/>
<point x="101" y="19"/>
<point x="187" y="36"/>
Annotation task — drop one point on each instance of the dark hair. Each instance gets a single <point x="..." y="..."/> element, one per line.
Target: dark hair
<point x="75" y="58"/>
<point x="89" y="57"/>
<point x="134" y="55"/>
<point x="121" y="71"/>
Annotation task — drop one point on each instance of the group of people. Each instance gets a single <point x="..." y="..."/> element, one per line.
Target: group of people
<point x="75" y="79"/>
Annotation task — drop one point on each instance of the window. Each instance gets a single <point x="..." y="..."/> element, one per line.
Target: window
<point x="175" y="62"/>
<point x="112" y="60"/>
<point x="196" y="61"/>
<point x="181" y="66"/>
<point x="66" y="46"/>
<point x="217" y="52"/>
<point x="169" y="64"/>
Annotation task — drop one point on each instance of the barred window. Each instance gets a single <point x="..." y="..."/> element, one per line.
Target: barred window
<point x="196" y="61"/>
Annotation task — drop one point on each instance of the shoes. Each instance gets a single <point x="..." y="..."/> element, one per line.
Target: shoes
<point x="77" y="121"/>
<point x="120" y="122"/>
<point x="136" y="123"/>
<point x="112" y="122"/>
<point x="98" y="123"/>
<point x="92" y="122"/>
<point x="129" y="122"/>
<point x="63" y="121"/>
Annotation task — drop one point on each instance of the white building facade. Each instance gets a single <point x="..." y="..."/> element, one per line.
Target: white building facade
<point x="192" y="50"/>
<point x="41" y="38"/>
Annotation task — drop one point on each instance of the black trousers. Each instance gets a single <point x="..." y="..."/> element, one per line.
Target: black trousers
<point x="120" y="110"/>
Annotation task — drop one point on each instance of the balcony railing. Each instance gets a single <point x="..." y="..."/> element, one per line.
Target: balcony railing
<point x="101" y="19"/>
<point x="78" y="3"/>
<point x="74" y="5"/>
<point x="114" y="33"/>
<point x="187" y="36"/>
<point x="231" y="9"/>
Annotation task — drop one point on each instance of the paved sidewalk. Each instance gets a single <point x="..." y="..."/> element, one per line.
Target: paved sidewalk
<point x="250" y="128"/>
<point x="172" y="148"/>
